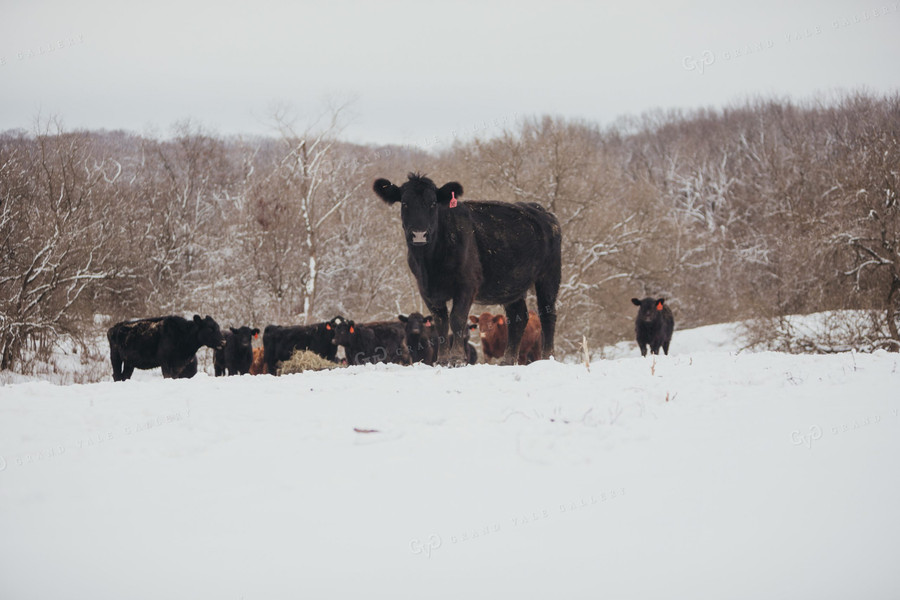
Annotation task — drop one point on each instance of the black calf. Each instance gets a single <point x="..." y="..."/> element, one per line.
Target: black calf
<point x="654" y="325"/>
<point x="237" y="355"/>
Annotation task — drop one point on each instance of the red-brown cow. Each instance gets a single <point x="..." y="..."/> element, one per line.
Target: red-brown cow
<point x="495" y="335"/>
<point x="258" y="366"/>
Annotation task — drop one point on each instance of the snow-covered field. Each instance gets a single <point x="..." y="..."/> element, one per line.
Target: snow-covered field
<point x="705" y="474"/>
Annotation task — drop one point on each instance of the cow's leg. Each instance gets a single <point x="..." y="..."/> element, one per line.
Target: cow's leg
<point x="188" y="370"/>
<point x="127" y="370"/>
<point x="666" y="347"/>
<point x="441" y="326"/>
<point x="656" y="343"/>
<point x="459" y="327"/>
<point x="516" y="319"/>
<point x="269" y="359"/>
<point x="546" y="291"/>
<point x="116" y="361"/>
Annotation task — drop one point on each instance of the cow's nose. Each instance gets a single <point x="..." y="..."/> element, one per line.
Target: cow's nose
<point x="419" y="237"/>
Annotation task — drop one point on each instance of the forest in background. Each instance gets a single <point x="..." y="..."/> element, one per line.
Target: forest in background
<point x="754" y="212"/>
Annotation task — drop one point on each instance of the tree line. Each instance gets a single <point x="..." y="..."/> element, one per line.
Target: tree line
<point x="757" y="211"/>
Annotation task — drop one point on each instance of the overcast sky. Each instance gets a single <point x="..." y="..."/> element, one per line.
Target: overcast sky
<point x="419" y="74"/>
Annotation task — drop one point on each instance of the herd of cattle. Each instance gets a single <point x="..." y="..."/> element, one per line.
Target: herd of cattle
<point x="458" y="252"/>
<point x="172" y="342"/>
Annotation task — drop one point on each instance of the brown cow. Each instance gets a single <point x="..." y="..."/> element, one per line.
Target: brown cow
<point x="258" y="366"/>
<point x="494" y="337"/>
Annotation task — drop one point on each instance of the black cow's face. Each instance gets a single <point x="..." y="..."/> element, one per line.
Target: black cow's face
<point x="648" y="308"/>
<point x="416" y="324"/>
<point x="208" y="332"/>
<point x="342" y="330"/>
<point x="243" y="338"/>
<point x="419" y="215"/>
<point x="420" y="203"/>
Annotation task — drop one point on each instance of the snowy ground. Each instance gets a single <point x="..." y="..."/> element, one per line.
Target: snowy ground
<point x="705" y="474"/>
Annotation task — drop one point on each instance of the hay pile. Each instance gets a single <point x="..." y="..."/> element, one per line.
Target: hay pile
<point x="304" y="360"/>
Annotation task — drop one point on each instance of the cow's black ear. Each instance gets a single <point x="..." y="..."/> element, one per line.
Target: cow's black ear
<point x="448" y="191"/>
<point x="254" y="332"/>
<point x="635" y="301"/>
<point x="197" y="319"/>
<point x="428" y="320"/>
<point x="403" y="318"/>
<point x="661" y="301"/>
<point x="386" y="190"/>
<point x="233" y="330"/>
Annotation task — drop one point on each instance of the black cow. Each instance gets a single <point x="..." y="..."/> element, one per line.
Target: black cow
<point x="367" y="343"/>
<point x="167" y="342"/>
<point x="654" y="325"/>
<point x="279" y="342"/>
<point x="471" y="353"/>
<point x="422" y="339"/>
<point x="237" y="355"/>
<point x="492" y="252"/>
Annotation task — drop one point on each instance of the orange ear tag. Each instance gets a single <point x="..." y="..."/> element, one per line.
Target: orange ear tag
<point x="659" y="306"/>
<point x="328" y="326"/>
<point x="351" y="330"/>
<point x="452" y="199"/>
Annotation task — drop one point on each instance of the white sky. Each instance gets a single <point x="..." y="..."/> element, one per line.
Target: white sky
<point x="421" y="74"/>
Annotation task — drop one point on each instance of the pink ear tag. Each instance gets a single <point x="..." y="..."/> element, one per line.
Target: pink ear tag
<point x="452" y="199"/>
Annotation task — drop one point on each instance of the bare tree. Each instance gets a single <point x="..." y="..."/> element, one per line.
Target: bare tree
<point x="294" y="196"/>
<point x="869" y="194"/>
<point x="55" y="234"/>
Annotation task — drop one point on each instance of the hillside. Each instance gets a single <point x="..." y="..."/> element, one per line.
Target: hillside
<point x="705" y="474"/>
